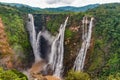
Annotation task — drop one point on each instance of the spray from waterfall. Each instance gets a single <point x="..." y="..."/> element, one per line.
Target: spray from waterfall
<point x="57" y="51"/>
<point x="86" y="37"/>
<point x="34" y="38"/>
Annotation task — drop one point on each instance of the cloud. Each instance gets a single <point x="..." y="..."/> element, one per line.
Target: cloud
<point x="59" y="1"/>
<point x="67" y="1"/>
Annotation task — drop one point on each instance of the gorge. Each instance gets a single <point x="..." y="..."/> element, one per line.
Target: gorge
<point x="55" y="60"/>
<point x="60" y="45"/>
<point x="55" y="56"/>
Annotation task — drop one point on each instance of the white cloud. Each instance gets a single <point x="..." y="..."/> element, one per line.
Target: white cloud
<point x="68" y="1"/>
<point x="51" y="1"/>
<point x="57" y="3"/>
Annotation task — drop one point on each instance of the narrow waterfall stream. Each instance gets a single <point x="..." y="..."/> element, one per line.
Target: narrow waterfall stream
<point x="57" y="51"/>
<point x="34" y="38"/>
<point x="86" y="37"/>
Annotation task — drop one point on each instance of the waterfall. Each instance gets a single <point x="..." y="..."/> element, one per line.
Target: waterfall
<point x="34" y="38"/>
<point x="57" y="51"/>
<point x="57" y="45"/>
<point x="86" y="37"/>
<point x="47" y="35"/>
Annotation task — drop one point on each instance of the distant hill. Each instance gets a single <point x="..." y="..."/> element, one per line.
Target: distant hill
<point x="26" y="8"/>
<point x="73" y="9"/>
<point x="22" y="7"/>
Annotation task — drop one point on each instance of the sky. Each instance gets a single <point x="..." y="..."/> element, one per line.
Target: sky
<point x="59" y="3"/>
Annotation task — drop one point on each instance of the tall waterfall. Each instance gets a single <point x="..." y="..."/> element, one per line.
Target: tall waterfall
<point x="34" y="38"/>
<point x="86" y="37"/>
<point x="57" y="45"/>
<point x="57" y="51"/>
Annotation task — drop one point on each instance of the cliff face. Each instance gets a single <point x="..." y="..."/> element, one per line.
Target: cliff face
<point x="73" y="35"/>
<point x="101" y="49"/>
<point x="5" y="48"/>
<point x="102" y="57"/>
<point x="7" y="54"/>
<point x="13" y="44"/>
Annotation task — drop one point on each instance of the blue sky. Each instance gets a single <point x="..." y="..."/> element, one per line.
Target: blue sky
<point x="58" y="3"/>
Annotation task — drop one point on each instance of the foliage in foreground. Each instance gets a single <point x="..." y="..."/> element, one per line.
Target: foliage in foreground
<point x="11" y="75"/>
<point x="115" y="76"/>
<point x="77" y="76"/>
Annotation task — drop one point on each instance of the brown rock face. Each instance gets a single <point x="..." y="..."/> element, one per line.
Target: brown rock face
<point x="51" y="78"/>
<point x="4" y="45"/>
<point x="5" y="49"/>
<point x="37" y="67"/>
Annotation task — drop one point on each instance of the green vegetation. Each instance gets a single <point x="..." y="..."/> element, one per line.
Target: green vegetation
<point x="14" y="26"/>
<point x="68" y="33"/>
<point x="14" y="22"/>
<point x="11" y="75"/>
<point x="114" y="77"/>
<point x="104" y="60"/>
<point x="106" y="54"/>
<point x="54" y="22"/>
<point x="77" y="76"/>
<point x="68" y="9"/>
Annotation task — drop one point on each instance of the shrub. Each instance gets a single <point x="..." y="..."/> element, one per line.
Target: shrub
<point x="11" y="75"/>
<point x="72" y="75"/>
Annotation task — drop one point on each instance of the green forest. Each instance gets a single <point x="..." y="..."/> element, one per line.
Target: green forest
<point x="103" y="62"/>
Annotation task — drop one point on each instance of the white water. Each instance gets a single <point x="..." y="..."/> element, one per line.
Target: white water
<point x="47" y="35"/>
<point x="57" y="51"/>
<point x="33" y="39"/>
<point x="57" y="45"/>
<point x="86" y="37"/>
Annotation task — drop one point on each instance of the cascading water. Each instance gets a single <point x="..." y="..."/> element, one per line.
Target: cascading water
<point x="57" y="45"/>
<point x="57" y="51"/>
<point x="33" y="39"/>
<point x="47" y="36"/>
<point x="86" y="36"/>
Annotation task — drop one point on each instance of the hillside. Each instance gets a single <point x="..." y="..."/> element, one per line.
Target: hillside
<point x="102" y="61"/>
<point x="14" y="26"/>
<point x="72" y="9"/>
<point x="106" y="38"/>
<point x="4" y="47"/>
<point x="29" y="9"/>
